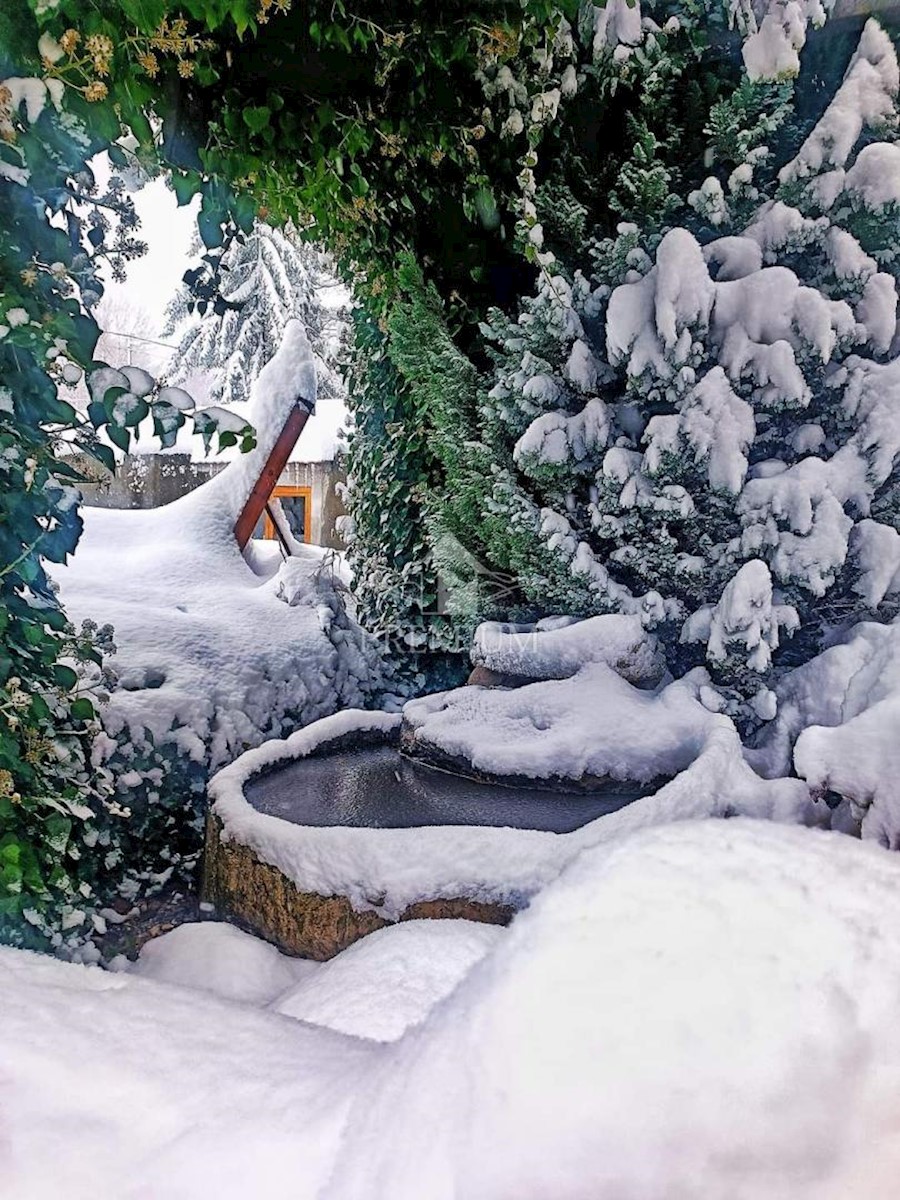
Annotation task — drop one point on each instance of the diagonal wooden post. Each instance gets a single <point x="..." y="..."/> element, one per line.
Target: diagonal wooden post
<point x="275" y="464"/>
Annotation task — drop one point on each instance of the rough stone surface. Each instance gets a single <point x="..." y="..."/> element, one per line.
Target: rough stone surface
<point x="486" y="677"/>
<point x="261" y="899"/>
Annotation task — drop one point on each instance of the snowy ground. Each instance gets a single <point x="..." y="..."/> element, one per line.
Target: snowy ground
<point x="698" y="1011"/>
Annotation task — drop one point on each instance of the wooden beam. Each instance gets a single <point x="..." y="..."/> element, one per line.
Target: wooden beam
<point x="275" y="464"/>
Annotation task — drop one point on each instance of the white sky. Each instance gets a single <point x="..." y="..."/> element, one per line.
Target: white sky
<point x="138" y="307"/>
<point x="152" y="280"/>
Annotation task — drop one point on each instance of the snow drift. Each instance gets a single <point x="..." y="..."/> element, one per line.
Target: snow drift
<point x="211" y="655"/>
<point x="703" y="1010"/>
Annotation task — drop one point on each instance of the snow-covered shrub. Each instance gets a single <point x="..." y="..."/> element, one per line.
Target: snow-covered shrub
<point x="703" y="418"/>
<point x="421" y="457"/>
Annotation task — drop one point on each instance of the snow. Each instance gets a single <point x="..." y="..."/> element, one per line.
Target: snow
<point x="758" y="321"/>
<point x="734" y="257"/>
<point x="874" y="179"/>
<point x="220" y="959"/>
<point x="745" y="617"/>
<point x="798" y="516"/>
<point x="29" y="93"/>
<point x="557" y="647"/>
<point x="865" y="100"/>
<point x="121" y="1088"/>
<point x="594" y="724"/>
<point x="772" y="51"/>
<point x="212" y="657"/>
<point x="389" y="981"/>
<point x="557" y="438"/>
<point x="839" y="726"/>
<point x="875" y="550"/>
<point x="702" y="1010"/>
<point x="616" y="23"/>
<point x="684" y="1014"/>
<point x="715" y="423"/>
<point x="376" y="989"/>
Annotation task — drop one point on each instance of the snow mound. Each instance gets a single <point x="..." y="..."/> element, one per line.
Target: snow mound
<point x="840" y="713"/>
<point x="594" y="724"/>
<point x="391" y="979"/>
<point x="212" y="657"/>
<point x="121" y="1088"/>
<point x="682" y="1014"/>
<point x="214" y="957"/>
<point x="557" y="647"/>
<point x="702" y="1010"/>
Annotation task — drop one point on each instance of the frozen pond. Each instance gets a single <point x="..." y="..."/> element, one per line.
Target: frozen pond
<point x="377" y="788"/>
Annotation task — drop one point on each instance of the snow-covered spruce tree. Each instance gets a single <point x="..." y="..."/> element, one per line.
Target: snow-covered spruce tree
<point x="705" y="421"/>
<point x="262" y="280"/>
<point x="469" y="541"/>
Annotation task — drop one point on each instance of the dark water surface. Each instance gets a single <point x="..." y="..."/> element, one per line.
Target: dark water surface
<point x="377" y="788"/>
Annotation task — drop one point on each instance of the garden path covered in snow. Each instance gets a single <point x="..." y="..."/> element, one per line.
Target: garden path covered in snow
<point x="705" y="1009"/>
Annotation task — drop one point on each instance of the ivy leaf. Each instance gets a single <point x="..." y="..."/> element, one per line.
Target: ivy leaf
<point x="186" y="186"/>
<point x="105" y="455"/>
<point x="96" y="412"/>
<point x="65" y="677"/>
<point x="210" y="228"/>
<point x="146" y="14"/>
<point x="257" y="118"/>
<point x="82" y="709"/>
<point x="119" y="437"/>
<point x="137" y="413"/>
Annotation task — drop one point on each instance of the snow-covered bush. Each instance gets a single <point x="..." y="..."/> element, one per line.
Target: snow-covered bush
<point x="703" y="419"/>
<point x="600" y="113"/>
